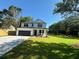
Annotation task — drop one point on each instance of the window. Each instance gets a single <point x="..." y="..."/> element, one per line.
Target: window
<point x="40" y="25"/>
<point x="25" y="25"/>
<point x="32" y="24"/>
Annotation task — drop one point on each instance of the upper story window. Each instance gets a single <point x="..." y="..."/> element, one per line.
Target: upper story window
<point x="25" y="25"/>
<point x="40" y="25"/>
<point x="32" y="25"/>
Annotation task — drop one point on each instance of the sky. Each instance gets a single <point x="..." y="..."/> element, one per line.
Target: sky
<point x="38" y="9"/>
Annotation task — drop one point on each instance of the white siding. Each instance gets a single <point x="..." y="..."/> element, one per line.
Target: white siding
<point x="22" y="24"/>
<point x="43" y="25"/>
<point x="35" y="25"/>
<point x="29" y="25"/>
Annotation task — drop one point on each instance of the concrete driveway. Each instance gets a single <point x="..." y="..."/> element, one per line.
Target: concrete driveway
<point x="9" y="42"/>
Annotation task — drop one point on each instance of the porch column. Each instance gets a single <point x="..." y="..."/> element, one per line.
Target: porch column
<point x="17" y="32"/>
<point x="32" y="32"/>
<point x="22" y="24"/>
<point x="45" y="33"/>
<point x="37" y="32"/>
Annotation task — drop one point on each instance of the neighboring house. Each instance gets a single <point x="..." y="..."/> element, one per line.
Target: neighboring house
<point x="32" y="28"/>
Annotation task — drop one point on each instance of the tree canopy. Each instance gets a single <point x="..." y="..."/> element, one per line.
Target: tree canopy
<point x="14" y="11"/>
<point x="8" y="16"/>
<point x="68" y="26"/>
<point x="67" y="7"/>
<point x="24" y="19"/>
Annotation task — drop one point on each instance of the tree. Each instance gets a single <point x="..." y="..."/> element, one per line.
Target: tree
<point x="14" y="11"/>
<point x="9" y="16"/>
<point x="67" y="7"/>
<point x="7" y="22"/>
<point x="1" y="15"/>
<point x="68" y="26"/>
<point x="25" y="19"/>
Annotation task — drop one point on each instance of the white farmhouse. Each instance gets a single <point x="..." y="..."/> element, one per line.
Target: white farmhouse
<point x="32" y="28"/>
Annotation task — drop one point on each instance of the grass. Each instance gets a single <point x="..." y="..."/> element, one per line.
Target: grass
<point x="52" y="47"/>
<point x="57" y="39"/>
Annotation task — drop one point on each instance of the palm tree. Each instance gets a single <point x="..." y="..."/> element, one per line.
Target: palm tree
<point x="14" y="11"/>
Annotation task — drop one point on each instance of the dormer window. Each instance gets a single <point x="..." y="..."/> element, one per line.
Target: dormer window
<point x="40" y="25"/>
<point x="32" y="24"/>
<point x="25" y="25"/>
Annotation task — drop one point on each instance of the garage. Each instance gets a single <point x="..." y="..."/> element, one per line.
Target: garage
<point x="24" y="33"/>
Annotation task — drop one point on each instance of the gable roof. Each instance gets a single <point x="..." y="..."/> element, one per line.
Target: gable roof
<point x="39" y="21"/>
<point x="36" y="21"/>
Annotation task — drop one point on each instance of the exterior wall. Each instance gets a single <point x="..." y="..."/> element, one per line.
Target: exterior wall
<point x="45" y="33"/>
<point x="35" y="25"/>
<point x="22" y="24"/>
<point x="3" y="32"/>
<point x="29" y="25"/>
<point x="11" y="28"/>
<point x="24" y="29"/>
<point x="32" y="31"/>
<point x="17" y="32"/>
<point x="37" y="32"/>
<point x="43" y="25"/>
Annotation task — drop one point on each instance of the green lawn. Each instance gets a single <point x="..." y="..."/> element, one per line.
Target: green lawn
<point x="57" y="39"/>
<point x="52" y="47"/>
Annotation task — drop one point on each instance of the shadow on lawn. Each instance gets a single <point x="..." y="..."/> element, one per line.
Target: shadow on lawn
<point x="65" y="36"/>
<point x="37" y="50"/>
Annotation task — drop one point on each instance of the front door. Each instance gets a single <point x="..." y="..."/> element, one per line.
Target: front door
<point x="35" y="32"/>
